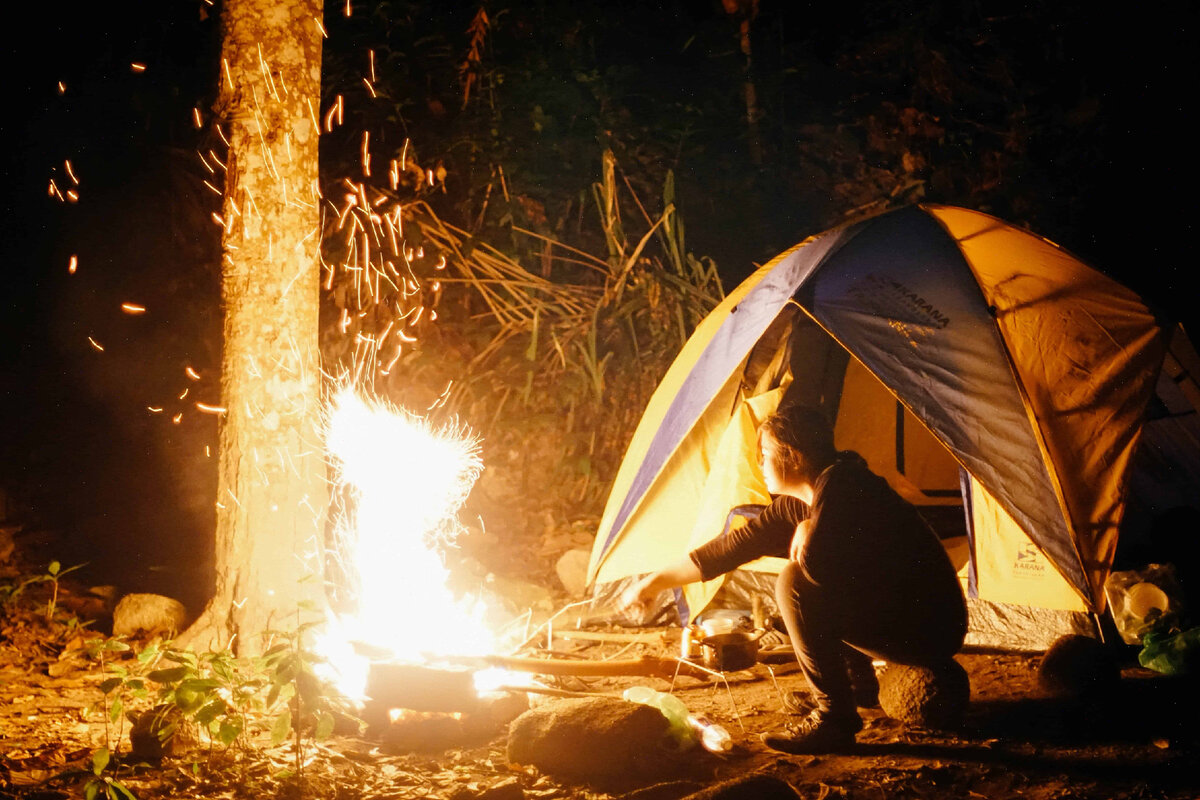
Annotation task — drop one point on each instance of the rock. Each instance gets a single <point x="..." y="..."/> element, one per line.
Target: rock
<point x="924" y="697"/>
<point x="162" y="731"/>
<point x="148" y="614"/>
<point x="571" y="568"/>
<point x="1077" y="666"/>
<point x="592" y="738"/>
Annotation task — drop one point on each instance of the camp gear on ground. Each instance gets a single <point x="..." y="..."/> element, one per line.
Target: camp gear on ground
<point x="729" y="652"/>
<point x="1142" y="600"/>
<point x="1171" y="654"/>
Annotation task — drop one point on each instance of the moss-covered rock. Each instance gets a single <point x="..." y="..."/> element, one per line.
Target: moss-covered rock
<point x="925" y="697"/>
<point x="592" y="738"/>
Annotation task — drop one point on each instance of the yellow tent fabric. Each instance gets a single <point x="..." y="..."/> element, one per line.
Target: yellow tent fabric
<point x="1009" y="567"/>
<point x="669" y="507"/>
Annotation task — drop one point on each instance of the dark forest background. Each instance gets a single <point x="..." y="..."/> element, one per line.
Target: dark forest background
<point x="761" y="122"/>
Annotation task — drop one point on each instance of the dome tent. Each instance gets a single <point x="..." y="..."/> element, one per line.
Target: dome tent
<point x="944" y="343"/>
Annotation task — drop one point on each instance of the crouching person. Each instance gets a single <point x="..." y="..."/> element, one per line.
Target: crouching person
<point x="866" y="577"/>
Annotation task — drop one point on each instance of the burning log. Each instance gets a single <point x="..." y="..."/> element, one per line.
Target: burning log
<point x="665" y="668"/>
<point x="422" y="688"/>
<point x="422" y="707"/>
<point x="419" y="687"/>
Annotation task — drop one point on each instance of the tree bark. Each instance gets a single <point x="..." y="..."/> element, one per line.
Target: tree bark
<point x="745" y="11"/>
<point x="271" y="491"/>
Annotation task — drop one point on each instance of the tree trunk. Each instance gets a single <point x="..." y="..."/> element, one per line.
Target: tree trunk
<point x="745" y="11"/>
<point x="271" y="491"/>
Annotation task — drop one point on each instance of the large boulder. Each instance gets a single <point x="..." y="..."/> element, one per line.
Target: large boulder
<point x="592" y="738"/>
<point x="925" y="697"/>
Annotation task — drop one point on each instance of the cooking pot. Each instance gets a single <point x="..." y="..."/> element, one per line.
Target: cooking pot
<point x="729" y="652"/>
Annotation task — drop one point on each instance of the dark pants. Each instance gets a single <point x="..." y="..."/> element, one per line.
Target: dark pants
<point x="833" y="628"/>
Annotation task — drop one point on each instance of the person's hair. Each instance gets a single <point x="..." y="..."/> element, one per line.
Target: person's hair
<point x="804" y="435"/>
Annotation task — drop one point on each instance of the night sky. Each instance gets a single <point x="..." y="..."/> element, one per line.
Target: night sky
<point x="77" y="442"/>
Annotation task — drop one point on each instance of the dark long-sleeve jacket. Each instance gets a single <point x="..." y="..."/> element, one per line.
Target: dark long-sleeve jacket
<point x="863" y="537"/>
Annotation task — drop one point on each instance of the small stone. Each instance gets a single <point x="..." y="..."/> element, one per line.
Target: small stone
<point x="148" y="614"/>
<point x="571" y="568"/>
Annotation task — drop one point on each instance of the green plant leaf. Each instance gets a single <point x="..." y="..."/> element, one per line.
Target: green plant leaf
<point x="54" y="568"/>
<point x="100" y="757"/>
<point x="229" y="731"/>
<point x="123" y="789"/>
<point x="191" y="694"/>
<point x="181" y="657"/>
<point x="211" y="711"/>
<point x="109" y="684"/>
<point x="168" y="675"/>
<point x="279" y="731"/>
<point x="92" y="789"/>
<point x="325" y="725"/>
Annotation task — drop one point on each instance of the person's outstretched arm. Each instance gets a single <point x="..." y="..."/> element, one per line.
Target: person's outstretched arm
<point x="635" y="600"/>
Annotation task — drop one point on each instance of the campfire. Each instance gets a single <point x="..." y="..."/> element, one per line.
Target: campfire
<point x="405" y="480"/>
<point x="406" y="645"/>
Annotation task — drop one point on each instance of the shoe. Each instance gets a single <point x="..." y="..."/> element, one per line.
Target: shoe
<point x="819" y="732"/>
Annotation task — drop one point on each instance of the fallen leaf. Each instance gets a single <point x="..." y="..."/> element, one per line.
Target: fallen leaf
<point x="30" y="778"/>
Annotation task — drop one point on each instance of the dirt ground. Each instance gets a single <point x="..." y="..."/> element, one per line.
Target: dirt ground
<point x="1139" y="741"/>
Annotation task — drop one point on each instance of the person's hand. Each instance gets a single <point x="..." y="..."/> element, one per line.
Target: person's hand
<point x="799" y="539"/>
<point x="634" y="602"/>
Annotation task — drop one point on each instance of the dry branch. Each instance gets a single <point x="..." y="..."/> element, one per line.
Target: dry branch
<point x="665" y="668"/>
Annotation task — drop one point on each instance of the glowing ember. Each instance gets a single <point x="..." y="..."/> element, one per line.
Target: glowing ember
<point x="407" y="481"/>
